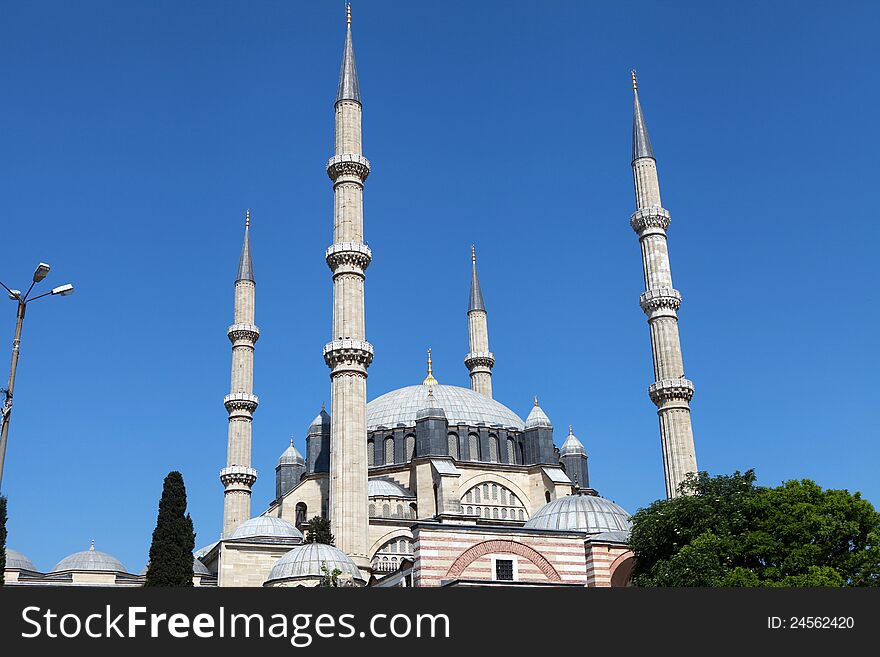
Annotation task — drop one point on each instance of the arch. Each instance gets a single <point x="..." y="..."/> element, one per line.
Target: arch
<point x="511" y="451"/>
<point x="371" y="452"/>
<point x="621" y="569"/>
<point x="394" y="534"/>
<point x="389" y="450"/>
<point x="495" y="477"/>
<point x="413" y="510"/>
<point x="410" y="444"/>
<point x="494" y="448"/>
<point x="547" y="496"/>
<point x="473" y="447"/>
<point x="495" y="500"/>
<point x="470" y="555"/>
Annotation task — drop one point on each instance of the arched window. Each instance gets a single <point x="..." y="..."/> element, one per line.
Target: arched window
<point x="413" y="510"/>
<point x="371" y="452"/>
<point x="493" y="449"/>
<point x="400" y="511"/>
<point x="547" y="496"/>
<point x="387" y="557"/>
<point x="511" y="451"/>
<point x="452" y="439"/>
<point x="386" y="511"/>
<point x="473" y="447"/>
<point x="372" y="510"/>
<point x="410" y="447"/>
<point x="436" y="500"/>
<point x="301" y="514"/>
<point x="389" y="450"/>
<point x="495" y="501"/>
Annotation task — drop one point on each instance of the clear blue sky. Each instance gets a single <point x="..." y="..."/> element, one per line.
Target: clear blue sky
<point x="134" y="135"/>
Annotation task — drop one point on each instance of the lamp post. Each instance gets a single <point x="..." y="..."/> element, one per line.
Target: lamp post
<point x="62" y="290"/>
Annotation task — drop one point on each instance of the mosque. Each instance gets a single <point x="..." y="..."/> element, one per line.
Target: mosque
<point x="430" y="484"/>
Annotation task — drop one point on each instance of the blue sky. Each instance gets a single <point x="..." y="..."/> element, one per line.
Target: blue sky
<point x="134" y="135"/>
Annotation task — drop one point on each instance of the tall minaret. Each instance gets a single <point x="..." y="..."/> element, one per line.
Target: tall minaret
<point x="671" y="391"/>
<point x="348" y="355"/>
<point x="479" y="360"/>
<point x="238" y="476"/>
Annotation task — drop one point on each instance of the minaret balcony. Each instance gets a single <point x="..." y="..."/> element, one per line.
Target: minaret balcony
<point x="348" y="352"/>
<point x="243" y="333"/>
<point x="348" y="165"/>
<point x="351" y="257"/>
<point x="479" y="359"/>
<point x="666" y="390"/>
<point x="241" y="401"/>
<point x="238" y="477"/>
<point x="650" y="221"/>
<point x="660" y="302"/>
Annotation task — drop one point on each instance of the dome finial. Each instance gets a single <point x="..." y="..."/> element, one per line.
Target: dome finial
<point x="348" y="14"/>
<point x="92" y="546"/>
<point x="536" y="400"/>
<point x="430" y="380"/>
<point x="635" y="80"/>
<point x="570" y="432"/>
<point x="291" y="441"/>
<point x="247" y="219"/>
<point x="473" y="254"/>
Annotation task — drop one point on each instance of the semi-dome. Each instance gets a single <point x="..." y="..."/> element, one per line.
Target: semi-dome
<point x="291" y="456"/>
<point x="461" y="405"/>
<point x="266" y="527"/>
<point x="584" y="513"/>
<point x="15" y="559"/>
<point x="90" y="560"/>
<point x="307" y="561"/>
<point x="381" y="487"/>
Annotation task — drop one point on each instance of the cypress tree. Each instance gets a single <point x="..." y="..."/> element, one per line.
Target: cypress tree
<point x="318" y="531"/>
<point x="171" y="552"/>
<point x="2" y="539"/>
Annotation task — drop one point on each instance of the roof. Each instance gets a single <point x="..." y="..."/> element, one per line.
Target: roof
<point x="266" y="527"/>
<point x="587" y="513"/>
<point x="348" y="88"/>
<point x="382" y="487"/>
<point x="572" y="446"/>
<point x="90" y="559"/>
<point x="475" y="302"/>
<point x="537" y="418"/>
<point x="15" y="559"/>
<point x="556" y="475"/>
<point x="306" y="561"/>
<point x="199" y="568"/>
<point x="444" y="467"/>
<point x="641" y="142"/>
<point x="245" y="264"/>
<point x="321" y="419"/>
<point x="291" y="456"/>
<point x="461" y="405"/>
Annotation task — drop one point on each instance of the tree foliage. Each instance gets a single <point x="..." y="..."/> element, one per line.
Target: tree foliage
<point x="2" y="539"/>
<point x="726" y="531"/>
<point x="171" y="551"/>
<point x="318" y="531"/>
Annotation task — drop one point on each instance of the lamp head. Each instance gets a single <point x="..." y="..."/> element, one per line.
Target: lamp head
<point x="63" y="290"/>
<point x="41" y="272"/>
<point x="14" y="294"/>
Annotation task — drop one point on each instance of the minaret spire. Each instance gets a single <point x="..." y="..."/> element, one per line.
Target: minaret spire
<point x="479" y="359"/>
<point x="671" y="392"/>
<point x="348" y="354"/>
<point x="238" y="476"/>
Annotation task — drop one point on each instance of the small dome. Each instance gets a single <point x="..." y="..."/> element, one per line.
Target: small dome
<point x="90" y="559"/>
<point x="381" y="487"/>
<point x="266" y="527"/>
<point x="15" y="559"/>
<point x="461" y="405"/>
<point x="538" y="418"/>
<point x="306" y="561"/>
<point x="572" y="446"/>
<point x="291" y="456"/>
<point x="321" y="419"/>
<point x="584" y="513"/>
<point x="199" y="568"/>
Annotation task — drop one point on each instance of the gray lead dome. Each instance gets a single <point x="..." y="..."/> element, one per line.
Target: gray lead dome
<point x="307" y="561"/>
<point x="15" y="559"/>
<point x="90" y="560"/>
<point x="461" y="405"/>
<point x="266" y="527"/>
<point x="584" y="513"/>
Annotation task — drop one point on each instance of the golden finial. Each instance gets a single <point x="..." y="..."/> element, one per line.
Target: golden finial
<point x="348" y="14"/>
<point x="430" y="380"/>
<point x="635" y="81"/>
<point x="536" y="400"/>
<point x="473" y="254"/>
<point x="247" y="218"/>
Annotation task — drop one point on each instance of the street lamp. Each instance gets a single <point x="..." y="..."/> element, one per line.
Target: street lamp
<point x="40" y="273"/>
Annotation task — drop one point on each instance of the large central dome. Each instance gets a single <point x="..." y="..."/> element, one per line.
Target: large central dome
<point x="461" y="405"/>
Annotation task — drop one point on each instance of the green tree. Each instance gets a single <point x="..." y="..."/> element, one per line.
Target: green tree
<point x="171" y="558"/>
<point x="318" y="531"/>
<point x="2" y="539"/>
<point x="329" y="578"/>
<point x="729" y="532"/>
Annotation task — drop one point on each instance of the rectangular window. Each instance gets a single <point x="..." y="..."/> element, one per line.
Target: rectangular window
<point x="504" y="570"/>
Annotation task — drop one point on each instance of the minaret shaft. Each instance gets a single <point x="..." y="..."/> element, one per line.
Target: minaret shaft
<point x="238" y="476"/>
<point x="671" y="392"/>
<point x="348" y="355"/>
